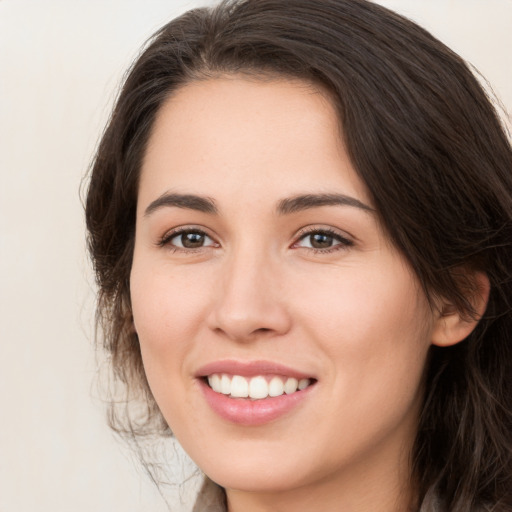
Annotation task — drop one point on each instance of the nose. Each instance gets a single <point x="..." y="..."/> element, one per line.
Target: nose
<point x="249" y="302"/>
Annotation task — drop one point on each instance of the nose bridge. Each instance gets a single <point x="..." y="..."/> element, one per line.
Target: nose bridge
<point x="246" y="303"/>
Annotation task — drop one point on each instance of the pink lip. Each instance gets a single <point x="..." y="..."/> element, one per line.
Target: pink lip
<point x="247" y="412"/>
<point x="250" y="369"/>
<point x="244" y="411"/>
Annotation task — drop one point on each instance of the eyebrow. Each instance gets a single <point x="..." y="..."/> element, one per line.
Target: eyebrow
<point x="284" y="207"/>
<point x="307" y="201"/>
<point x="187" y="201"/>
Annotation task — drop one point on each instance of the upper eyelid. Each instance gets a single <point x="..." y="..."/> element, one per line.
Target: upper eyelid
<point x="307" y="230"/>
<point x="185" y="229"/>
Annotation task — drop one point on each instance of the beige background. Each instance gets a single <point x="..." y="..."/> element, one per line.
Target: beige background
<point x="60" y="64"/>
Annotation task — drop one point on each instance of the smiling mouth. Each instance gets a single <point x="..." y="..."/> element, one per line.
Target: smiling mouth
<point x="256" y="388"/>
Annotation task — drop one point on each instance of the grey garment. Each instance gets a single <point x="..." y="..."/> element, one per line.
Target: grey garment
<point x="211" y="498"/>
<point x="432" y="503"/>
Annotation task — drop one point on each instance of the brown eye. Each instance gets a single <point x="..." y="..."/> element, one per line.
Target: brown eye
<point x="323" y="240"/>
<point x="190" y="240"/>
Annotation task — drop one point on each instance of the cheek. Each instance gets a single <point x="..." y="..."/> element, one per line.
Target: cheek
<point x="166" y="320"/>
<point x="375" y="326"/>
<point x="363" y="305"/>
<point x="164" y="301"/>
<point x="377" y="340"/>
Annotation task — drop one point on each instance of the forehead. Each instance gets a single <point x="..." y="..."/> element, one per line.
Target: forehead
<point x="266" y="134"/>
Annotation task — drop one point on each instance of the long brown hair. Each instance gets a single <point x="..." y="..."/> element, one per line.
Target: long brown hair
<point x="427" y="142"/>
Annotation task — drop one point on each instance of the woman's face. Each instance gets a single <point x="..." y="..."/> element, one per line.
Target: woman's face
<point x="261" y="265"/>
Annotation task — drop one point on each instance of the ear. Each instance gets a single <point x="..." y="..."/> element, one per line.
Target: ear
<point x="452" y="326"/>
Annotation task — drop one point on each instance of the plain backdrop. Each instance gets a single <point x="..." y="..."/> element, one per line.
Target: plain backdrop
<point x="60" y="65"/>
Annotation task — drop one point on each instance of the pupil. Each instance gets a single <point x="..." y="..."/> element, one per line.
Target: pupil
<point x="192" y="240"/>
<point x="321" y="241"/>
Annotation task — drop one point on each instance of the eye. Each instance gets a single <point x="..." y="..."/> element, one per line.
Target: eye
<point x="187" y="239"/>
<point x="323" y="240"/>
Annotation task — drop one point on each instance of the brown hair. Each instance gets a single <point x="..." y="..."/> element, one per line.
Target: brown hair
<point x="428" y="144"/>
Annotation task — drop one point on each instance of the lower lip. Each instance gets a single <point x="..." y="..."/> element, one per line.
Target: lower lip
<point x="244" y="411"/>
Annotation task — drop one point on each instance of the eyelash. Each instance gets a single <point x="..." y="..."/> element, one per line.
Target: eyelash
<point x="343" y="244"/>
<point x="165" y="241"/>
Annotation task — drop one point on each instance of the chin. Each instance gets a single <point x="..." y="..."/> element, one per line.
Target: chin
<point x="258" y="481"/>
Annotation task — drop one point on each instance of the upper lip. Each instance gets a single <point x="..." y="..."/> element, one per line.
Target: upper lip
<point x="250" y="369"/>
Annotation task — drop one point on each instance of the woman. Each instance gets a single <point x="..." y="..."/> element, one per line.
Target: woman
<point x="300" y="216"/>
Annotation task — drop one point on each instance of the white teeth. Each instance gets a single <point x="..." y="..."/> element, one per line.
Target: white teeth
<point x="303" y="384"/>
<point x="276" y="387"/>
<point x="214" y="381"/>
<point x="225" y="385"/>
<point x="290" y="386"/>
<point x="256" y="388"/>
<point x="239" y="387"/>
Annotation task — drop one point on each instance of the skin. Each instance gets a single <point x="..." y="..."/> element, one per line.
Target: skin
<point x="352" y="315"/>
